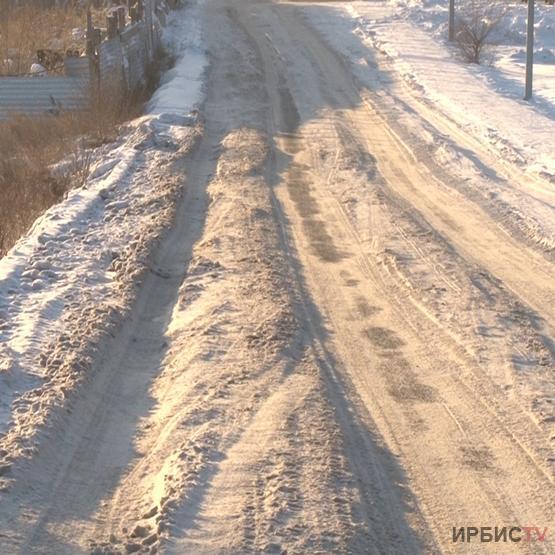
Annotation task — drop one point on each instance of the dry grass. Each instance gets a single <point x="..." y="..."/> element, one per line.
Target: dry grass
<point x="25" y="29"/>
<point x="29" y="148"/>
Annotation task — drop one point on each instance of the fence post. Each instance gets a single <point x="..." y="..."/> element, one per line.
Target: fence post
<point x="112" y="25"/>
<point x="93" y="40"/>
<point x="148" y="22"/>
<point x="121" y="17"/>
<point x="451" y="20"/>
<point x="90" y="35"/>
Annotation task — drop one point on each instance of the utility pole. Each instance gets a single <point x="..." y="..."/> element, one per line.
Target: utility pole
<point x="529" y="51"/>
<point x="451" y="20"/>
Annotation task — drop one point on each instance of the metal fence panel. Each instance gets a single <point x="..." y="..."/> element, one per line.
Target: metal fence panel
<point x="111" y="67"/>
<point x="77" y="67"/>
<point x="135" y="51"/>
<point x="34" y="96"/>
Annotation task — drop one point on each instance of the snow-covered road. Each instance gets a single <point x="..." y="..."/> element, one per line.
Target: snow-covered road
<point x="316" y="318"/>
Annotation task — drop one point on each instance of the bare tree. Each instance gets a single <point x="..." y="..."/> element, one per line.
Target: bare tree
<point x="475" y="27"/>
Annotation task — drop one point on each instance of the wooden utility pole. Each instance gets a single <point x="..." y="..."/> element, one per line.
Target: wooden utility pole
<point x="451" y="20"/>
<point x="529" y="51"/>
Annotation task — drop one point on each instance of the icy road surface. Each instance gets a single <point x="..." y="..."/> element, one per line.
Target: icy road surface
<point x="317" y="318"/>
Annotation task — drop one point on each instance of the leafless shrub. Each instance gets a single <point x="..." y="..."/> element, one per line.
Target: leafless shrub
<point x="105" y="109"/>
<point x="476" y="24"/>
<point x="78" y="168"/>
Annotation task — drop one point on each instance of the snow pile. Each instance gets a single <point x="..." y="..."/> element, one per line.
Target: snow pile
<point x="514" y="26"/>
<point x="71" y="280"/>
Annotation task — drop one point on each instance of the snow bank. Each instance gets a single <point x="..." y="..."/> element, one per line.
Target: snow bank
<point x="71" y="280"/>
<point x="181" y="88"/>
<point x="505" y="67"/>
